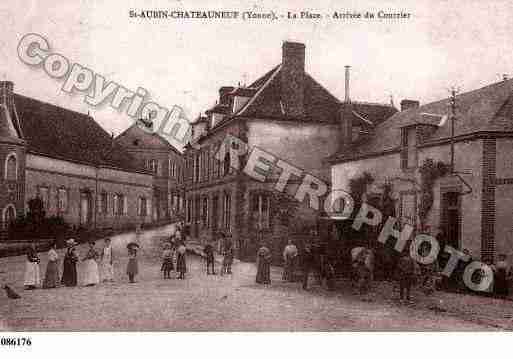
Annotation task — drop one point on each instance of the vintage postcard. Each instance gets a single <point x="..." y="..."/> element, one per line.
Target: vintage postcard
<point x="230" y="166"/>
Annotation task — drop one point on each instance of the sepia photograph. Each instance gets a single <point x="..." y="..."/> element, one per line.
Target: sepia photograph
<point x="300" y="167"/>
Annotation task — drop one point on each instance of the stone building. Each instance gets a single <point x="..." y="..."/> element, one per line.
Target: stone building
<point x="285" y="112"/>
<point x="71" y="163"/>
<point x="471" y="204"/>
<point x="157" y="155"/>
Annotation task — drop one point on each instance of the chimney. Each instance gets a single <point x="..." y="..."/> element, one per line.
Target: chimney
<point x="224" y="99"/>
<point x="347" y="98"/>
<point x="7" y="95"/>
<point x="346" y="125"/>
<point x="408" y="104"/>
<point x="293" y="78"/>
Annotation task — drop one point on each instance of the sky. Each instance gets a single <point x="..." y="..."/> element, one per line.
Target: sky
<point x="444" y="44"/>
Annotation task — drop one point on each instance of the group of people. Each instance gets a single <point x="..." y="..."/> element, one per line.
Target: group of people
<point x="308" y="261"/>
<point x="174" y="249"/>
<point x="90" y="267"/>
<point x="227" y="251"/>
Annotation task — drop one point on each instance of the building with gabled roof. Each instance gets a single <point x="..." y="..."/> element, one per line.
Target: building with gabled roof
<point x="69" y="161"/>
<point x="472" y="204"/>
<point x="287" y="113"/>
<point x="154" y="153"/>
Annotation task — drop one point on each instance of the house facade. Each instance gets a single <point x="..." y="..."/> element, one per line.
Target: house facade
<point x="458" y="181"/>
<point x="74" y="166"/>
<point x="286" y="113"/>
<point x="154" y="153"/>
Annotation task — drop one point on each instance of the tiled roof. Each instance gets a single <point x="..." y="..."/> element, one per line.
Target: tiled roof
<point x="134" y="136"/>
<point x="60" y="133"/>
<point x="319" y="104"/>
<point x="488" y="109"/>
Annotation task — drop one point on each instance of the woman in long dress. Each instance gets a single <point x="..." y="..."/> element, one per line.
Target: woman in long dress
<point x="91" y="273"/>
<point x="107" y="262"/>
<point x="32" y="272"/>
<point x="264" y="258"/>
<point x="52" y="268"/>
<point x="132" y="268"/>
<point x="181" y="265"/>
<point x="289" y="257"/>
<point x="69" y="272"/>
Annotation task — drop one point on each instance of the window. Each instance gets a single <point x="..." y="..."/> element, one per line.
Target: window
<point x="125" y="204"/>
<point x="215" y="165"/>
<point x="227" y="208"/>
<point x="153" y="166"/>
<point x="115" y="204"/>
<point x="62" y="200"/>
<point x="188" y="204"/>
<point x="9" y="215"/>
<point x="44" y="194"/>
<point x="196" y="168"/>
<point x="204" y="212"/>
<point x="119" y="204"/>
<point x="408" y="148"/>
<point x="260" y="208"/>
<point x="11" y="168"/>
<point x="142" y="207"/>
<point x="104" y="202"/>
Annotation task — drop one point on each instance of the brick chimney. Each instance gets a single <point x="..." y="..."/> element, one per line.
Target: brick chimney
<point x="293" y="78"/>
<point x="7" y="95"/>
<point x="408" y="104"/>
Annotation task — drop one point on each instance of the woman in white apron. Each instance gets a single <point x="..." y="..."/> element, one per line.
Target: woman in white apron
<point x="32" y="272"/>
<point x="91" y="274"/>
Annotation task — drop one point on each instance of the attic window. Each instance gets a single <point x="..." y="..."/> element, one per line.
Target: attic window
<point x="136" y="142"/>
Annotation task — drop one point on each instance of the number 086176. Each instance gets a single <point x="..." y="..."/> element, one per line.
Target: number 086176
<point x="15" y="342"/>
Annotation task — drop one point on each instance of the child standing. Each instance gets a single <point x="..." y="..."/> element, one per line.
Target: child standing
<point x="209" y="254"/>
<point x="227" y="257"/>
<point x="405" y="275"/>
<point x="167" y="261"/>
<point x="132" y="268"/>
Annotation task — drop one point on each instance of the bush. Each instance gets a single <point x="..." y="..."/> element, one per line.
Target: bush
<point x="35" y="225"/>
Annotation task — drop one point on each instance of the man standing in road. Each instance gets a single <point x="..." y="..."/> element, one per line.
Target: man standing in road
<point x="209" y="254"/>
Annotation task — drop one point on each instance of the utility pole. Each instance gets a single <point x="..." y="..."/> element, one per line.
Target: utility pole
<point x="453" y="118"/>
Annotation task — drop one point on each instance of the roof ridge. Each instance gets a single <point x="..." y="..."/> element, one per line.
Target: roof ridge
<point x="261" y="88"/>
<point x="53" y="105"/>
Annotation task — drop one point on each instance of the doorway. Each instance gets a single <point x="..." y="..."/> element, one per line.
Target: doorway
<point x="451" y="218"/>
<point x="85" y="208"/>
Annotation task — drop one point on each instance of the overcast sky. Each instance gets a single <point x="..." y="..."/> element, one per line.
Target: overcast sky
<point x="445" y="43"/>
